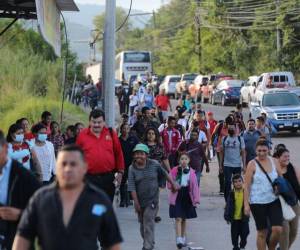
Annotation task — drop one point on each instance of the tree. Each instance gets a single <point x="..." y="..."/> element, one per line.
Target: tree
<point x="123" y="34"/>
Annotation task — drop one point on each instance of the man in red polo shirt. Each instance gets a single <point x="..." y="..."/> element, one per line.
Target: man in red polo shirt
<point x="163" y="102"/>
<point x="103" y="153"/>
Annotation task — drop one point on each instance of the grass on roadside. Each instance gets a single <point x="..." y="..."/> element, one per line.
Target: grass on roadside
<point x="32" y="108"/>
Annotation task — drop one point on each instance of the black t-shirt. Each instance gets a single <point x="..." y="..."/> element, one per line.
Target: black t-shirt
<point x="93" y="218"/>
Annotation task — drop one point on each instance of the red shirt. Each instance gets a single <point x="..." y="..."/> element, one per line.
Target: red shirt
<point x="163" y="102"/>
<point x="212" y="124"/>
<point x="103" y="154"/>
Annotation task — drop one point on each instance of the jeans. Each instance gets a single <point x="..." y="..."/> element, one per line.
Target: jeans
<point x="228" y="173"/>
<point x="147" y="225"/>
<point x="239" y="230"/>
<point x="221" y="174"/>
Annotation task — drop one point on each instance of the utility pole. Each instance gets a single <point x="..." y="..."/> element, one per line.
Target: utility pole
<point x="154" y="19"/>
<point x="278" y="35"/>
<point x="198" y="27"/>
<point x="109" y="62"/>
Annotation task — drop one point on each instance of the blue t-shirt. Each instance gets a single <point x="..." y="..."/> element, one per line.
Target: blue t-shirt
<point x="187" y="104"/>
<point x="149" y="100"/>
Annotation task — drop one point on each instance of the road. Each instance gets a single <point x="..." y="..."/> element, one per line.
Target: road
<point x="209" y="230"/>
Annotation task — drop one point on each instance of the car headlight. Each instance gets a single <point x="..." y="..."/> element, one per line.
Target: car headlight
<point x="298" y="115"/>
<point x="271" y="115"/>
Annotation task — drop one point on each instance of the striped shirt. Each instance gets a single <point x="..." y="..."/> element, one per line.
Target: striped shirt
<point x="145" y="182"/>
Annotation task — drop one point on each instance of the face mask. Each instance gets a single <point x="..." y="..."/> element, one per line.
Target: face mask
<point x="231" y="131"/>
<point x="19" y="138"/>
<point x="42" y="137"/>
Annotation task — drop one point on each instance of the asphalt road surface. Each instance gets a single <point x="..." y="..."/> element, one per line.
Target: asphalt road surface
<point x="209" y="230"/>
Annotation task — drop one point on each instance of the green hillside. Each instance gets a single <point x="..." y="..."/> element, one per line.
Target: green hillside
<point x="31" y="78"/>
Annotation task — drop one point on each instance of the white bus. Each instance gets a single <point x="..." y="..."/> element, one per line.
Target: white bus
<point x="132" y="63"/>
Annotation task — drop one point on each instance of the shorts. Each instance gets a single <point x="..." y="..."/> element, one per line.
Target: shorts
<point x="266" y="215"/>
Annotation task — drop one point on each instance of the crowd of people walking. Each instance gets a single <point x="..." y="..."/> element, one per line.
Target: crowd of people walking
<point x="59" y="187"/>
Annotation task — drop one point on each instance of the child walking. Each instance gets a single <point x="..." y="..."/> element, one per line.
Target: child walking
<point x="234" y="214"/>
<point x="183" y="202"/>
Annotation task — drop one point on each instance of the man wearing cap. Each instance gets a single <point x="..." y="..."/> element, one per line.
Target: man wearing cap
<point x="143" y="182"/>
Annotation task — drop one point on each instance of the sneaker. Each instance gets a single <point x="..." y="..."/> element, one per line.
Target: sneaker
<point x="157" y="219"/>
<point x="221" y="193"/>
<point x="179" y="242"/>
<point x="184" y="243"/>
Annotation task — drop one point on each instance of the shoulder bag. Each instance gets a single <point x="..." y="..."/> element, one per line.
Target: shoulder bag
<point x="287" y="210"/>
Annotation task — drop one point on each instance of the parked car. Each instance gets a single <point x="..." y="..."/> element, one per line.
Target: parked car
<point x="248" y="91"/>
<point x="169" y="84"/>
<point x="183" y="85"/>
<point x="227" y="91"/>
<point x="282" y="108"/>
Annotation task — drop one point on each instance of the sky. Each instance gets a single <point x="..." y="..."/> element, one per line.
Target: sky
<point x="145" y="5"/>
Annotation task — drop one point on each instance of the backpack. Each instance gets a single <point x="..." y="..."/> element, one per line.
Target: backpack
<point x="216" y="134"/>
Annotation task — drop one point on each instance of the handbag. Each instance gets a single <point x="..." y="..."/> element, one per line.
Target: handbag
<point x="287" y="211"/>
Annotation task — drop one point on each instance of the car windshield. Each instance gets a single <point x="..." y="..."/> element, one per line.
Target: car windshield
<point x="174" y="79"/>
<point x="280" y="99"/>
<point x="189" y="77"/>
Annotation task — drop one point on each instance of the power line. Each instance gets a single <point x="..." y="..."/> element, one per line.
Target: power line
<point x="125" y="20"/>
<point x="97" y="37"/>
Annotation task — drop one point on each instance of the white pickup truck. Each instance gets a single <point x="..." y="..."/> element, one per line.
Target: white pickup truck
<point x="283" y="80"/>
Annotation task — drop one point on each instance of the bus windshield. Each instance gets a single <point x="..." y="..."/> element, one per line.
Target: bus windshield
<point x="137" y="57"/>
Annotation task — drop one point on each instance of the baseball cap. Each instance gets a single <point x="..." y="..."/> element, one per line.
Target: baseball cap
<point x="210" y="113"/>
<point x="141" y="147"/>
